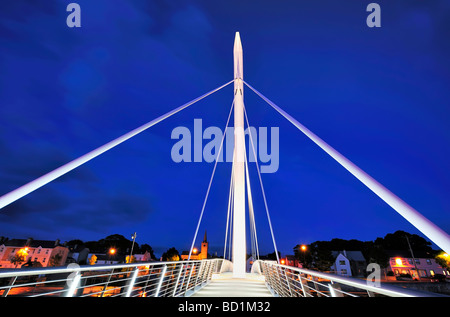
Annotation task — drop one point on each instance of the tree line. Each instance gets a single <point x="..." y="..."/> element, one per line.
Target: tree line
<point x="118" y="242"/>
<point x="318" y="254"/>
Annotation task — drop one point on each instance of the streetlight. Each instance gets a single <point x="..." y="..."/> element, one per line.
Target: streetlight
<point x="132" y="245"/>
<point x="111" y="252"/>
<point x="303" y="248"/>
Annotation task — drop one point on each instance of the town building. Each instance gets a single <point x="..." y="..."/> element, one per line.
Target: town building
<point x="17" y="253"/>
<point x="103" y="258"/>
<point x="422" y="265"/>
<point x="145" y="257"/>
<point x="291" y="260"/>
<point x="203" y="254"/>
<point x="349" y="263"/>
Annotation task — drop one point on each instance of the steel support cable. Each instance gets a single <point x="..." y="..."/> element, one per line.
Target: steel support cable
<point x="45" y="179"/>
<point x="231" y="210"/>
<point x="210" y="181"/>
<point x="429" y="229"/>
<point x="262" y="188"/>
<point x="231" y="224"/>
<point x="253" y="235"/>
<point x="228" y="211"/>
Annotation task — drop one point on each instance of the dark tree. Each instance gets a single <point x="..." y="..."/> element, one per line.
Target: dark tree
<point x="171" y="255"/>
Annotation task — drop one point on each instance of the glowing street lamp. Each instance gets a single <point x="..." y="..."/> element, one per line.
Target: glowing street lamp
<point x="111" y="252"/>
<point x="303" y="248"/>
<point x="23" y="252"/>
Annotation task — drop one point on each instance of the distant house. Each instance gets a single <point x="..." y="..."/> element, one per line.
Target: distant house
<point x="402" y="262"/>
<point x="103" y="258"/>
<point x="349" y="263"/>
<point x="290" y="260"/>
<point x="29" y="252"/>
<point x="146" y="257"/>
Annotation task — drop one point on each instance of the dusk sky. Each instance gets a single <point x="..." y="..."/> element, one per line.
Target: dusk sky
<point x="380" y="96"/>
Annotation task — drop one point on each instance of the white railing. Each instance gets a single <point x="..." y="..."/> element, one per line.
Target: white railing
<point x="150" y="279"/>
<point x="288" y="281"/>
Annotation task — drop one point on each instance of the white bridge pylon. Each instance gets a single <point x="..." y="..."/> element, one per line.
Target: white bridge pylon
<point x="239" y="255"/>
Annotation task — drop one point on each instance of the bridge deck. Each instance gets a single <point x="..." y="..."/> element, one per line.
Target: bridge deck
<point x="223" y="285"/>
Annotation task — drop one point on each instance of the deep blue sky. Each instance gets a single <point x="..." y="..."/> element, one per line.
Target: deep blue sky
<point x="380" y="96"/>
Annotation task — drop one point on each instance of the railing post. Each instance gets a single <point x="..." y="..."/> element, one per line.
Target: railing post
<point x="189" y="279"/>
<point x="335" y="290"/>
<point x="198" y="274"/>
<point x="178" y="280"/>
<point x="280" y="284"/>
<point x="287" y="281"/>
<point x="160" y="281"/>
<point x="210" y="270"/>
<point x="10" y="284"/>
<point x="130" y="283"/>
<point x="304" y="285"/>
<point x="73" y="285"/>
<point x="205" y="273"/>
<point x="270" y="273"/>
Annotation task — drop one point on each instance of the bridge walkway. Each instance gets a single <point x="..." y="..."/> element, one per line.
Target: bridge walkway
<point x="224" y="285"/>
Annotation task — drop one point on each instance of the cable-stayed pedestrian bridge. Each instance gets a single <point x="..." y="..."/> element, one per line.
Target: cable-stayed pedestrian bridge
<point x="213" y="277"/>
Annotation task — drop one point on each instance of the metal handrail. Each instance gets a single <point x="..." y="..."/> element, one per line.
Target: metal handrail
<point x="158" y="279"/>
<point x="289" y="281"/>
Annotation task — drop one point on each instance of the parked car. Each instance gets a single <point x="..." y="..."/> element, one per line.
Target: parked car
<point x="441" y="278"/>
<point x="404" y="277"/>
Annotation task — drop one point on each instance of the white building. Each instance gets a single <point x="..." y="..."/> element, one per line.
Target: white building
<point x="341" y="265"/>
<point x="348" y="263"/>
<point x="32" y="252"/>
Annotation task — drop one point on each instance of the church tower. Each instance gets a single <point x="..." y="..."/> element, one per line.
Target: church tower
<point x="204" y="249"/>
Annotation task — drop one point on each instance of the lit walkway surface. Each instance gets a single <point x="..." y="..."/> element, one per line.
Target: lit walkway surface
<point x="224" y="285"/>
